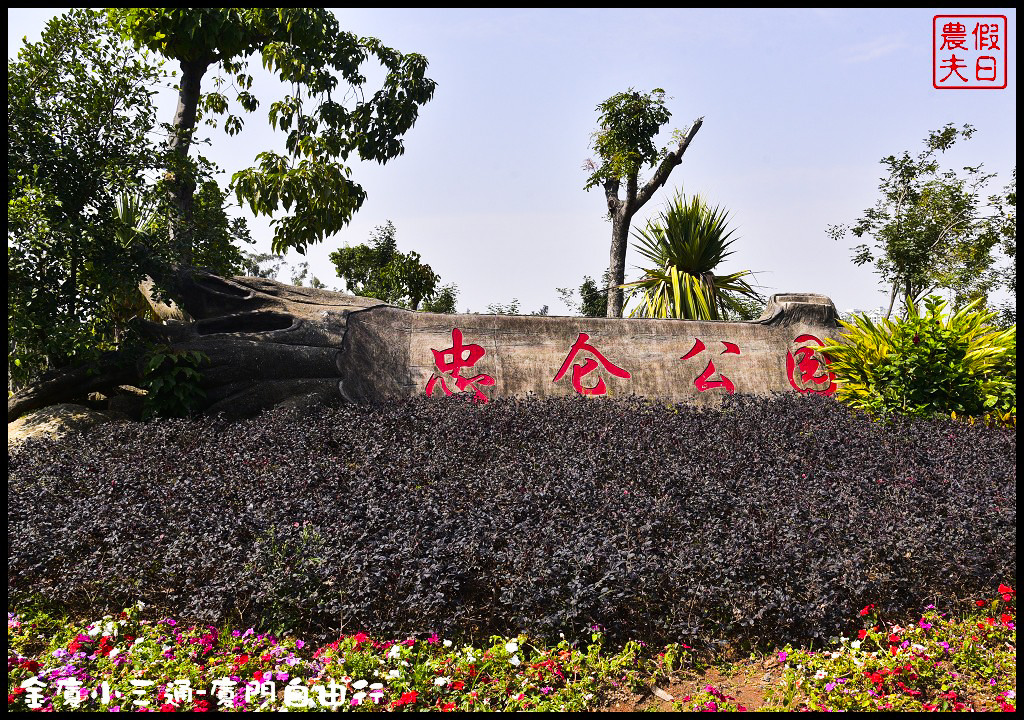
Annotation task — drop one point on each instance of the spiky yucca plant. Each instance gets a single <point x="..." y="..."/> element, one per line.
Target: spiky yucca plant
<point x="928" y="363"/>
<point x="684" y="245"/>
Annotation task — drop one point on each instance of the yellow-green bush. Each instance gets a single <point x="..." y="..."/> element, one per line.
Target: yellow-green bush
<point x="928" y="363"/>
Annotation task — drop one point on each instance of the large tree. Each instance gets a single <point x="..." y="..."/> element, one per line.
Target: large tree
<point x="379" y="270"/>
<point x="79" y="113"/>
<point x="930" y="229"/>
<point x="629" y="122"/>
<point x="326" y="125"/>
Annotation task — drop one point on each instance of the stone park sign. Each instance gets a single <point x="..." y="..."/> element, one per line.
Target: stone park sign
<point x="272" y="344"/>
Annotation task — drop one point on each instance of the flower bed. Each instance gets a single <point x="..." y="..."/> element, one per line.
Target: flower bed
<point x="134" y="662"/>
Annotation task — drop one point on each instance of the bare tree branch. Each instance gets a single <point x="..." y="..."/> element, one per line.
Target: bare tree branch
<point x="671" y="160"/>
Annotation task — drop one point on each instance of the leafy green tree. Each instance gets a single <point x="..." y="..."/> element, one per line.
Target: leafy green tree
<point x="629" y="122"/>
<point x="684" y="245"/>
<point x="379" y="270"/>
<point x="79" y="113"/>
<point x="217" y="238"/>
<point x="308" y="51"/>
<point x="1005" y="222"/>
<point x="443" y="300"/>
<point x="261" y="265"/>
<point x="300" y="273"/>
<point x="513" y="308"/>
<point x="593" y="301"/>
<point x="928" y="230"/>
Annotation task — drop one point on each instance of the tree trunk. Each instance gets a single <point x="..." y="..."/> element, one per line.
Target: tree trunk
<point x="183" y="184"/>
<point x="617" y="263"/>
<point x="266" y="342"/>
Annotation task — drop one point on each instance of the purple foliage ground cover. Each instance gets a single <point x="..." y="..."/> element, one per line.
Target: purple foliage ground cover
<point x="764" y="522"/>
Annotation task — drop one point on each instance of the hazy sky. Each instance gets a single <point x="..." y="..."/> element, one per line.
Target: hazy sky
<point x="799" y="106"/>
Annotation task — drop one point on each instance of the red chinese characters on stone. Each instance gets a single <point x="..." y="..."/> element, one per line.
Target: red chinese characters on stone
<point x="703" y="381"/>
<point x="811" y="369"/>
<point x="580" y="371"/>
<point x="457" y="363"/>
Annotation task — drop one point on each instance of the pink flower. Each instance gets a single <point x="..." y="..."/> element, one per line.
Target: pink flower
<point x="783" y="655"/>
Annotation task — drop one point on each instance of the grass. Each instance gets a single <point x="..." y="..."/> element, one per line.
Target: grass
<point x="941" y="661"/>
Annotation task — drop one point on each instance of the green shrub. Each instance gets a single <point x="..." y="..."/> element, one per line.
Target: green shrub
<point x="171" y="379"/>
<point x="929" y="363"/>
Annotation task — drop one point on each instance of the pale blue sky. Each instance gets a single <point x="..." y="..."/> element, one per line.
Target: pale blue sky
<point x="799" y="106"/>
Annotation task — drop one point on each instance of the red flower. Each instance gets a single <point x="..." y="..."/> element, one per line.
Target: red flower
<point x="241" y="660"/>
<point x="360" y="638"/>
<point x="30" y="665"/>
<point x="448" y="707"/>
<point x="167" y="707"/>
<point x="458" y="684"/>
<point x="1008" y="592"/>
<point x="861" y="634"/>
<point x="1006" y="618"/>
<point x="979" y="603"/>
<point x="893" y="638"/>
<point x="408" y="697"/>
<point x="866" y="610"/>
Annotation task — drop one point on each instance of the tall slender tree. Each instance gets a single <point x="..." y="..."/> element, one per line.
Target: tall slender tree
<point x="929" y="228"/>
<point x="629" y="122"/>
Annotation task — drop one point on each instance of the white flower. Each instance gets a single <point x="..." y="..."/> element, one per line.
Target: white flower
<point x="93" y="631"/>
<point x="359" y="685"/>
<point x="140" y="605"/>
<point x="447" y="643"/>
<point x="514" y="660"/>
<point x="511" y="646"/>
<point x="820" y="675"/>
<point x="138" y="640"/>
<point x="855" y="644"/>
<point x="440" y="681"/>
<point x="405" y="663"/>
<point x="469" y="656"/>
<point x="394" y="652"/>
<point x="114" y="653"/>
<point x="377" y="686"/>
<point x="395" y="673"/>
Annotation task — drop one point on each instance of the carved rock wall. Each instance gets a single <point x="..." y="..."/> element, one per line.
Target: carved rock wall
<point x="270" y="344"/>
<point x="389" y="353"/>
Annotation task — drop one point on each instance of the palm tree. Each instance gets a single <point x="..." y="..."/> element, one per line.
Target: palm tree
<point x="684" y="244"/>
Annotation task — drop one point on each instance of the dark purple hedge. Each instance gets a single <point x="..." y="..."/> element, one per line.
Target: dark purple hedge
<point x="772" y="520"/>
